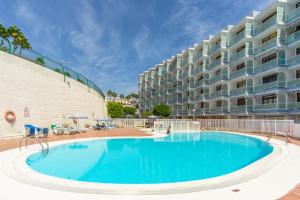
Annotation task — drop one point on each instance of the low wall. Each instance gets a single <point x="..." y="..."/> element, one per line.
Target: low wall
<point x="40" y="96"/>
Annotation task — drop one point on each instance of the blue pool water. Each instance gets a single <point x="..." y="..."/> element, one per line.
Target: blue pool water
<point x="176" y="158"/>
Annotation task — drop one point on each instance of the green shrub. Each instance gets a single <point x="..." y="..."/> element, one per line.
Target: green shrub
<point x="146" y="114"/>
<point x="40" y="61"/>
<point x="115" y="110"/>
<point x="67" y="74"/>
<point x="162" y="110"/>
<point x="129" y="110"/>
<point x="57" y="70"/>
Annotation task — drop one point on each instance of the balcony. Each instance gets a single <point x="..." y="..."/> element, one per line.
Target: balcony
<point x="184" y="62"/>
<point x="185" y="99"/>
<point x="271" y="107"/>
<point x="191" y="85"/>
<point x="293" y="61"/>
<point x="215" y="48"/>
<point x="237" y="38"/>
<point x="199" y="83"/>
<point x="267" y="24"/>
<point x="198" y="55"/>
<point x="238" y="73"/>
<point x="292" y="15"/>
<point x="293" y="106"/>
<point x="218" y="78"/>
<point x="293" y="37"/>
<point x="238" y="109"/>
<point x="238" y="55"/>
<point x="201" y="96"/>
<point x="215" y="63"/>
<point x="221" y="93"/>
<point x="266" y="66"/>
<point x="218" y="110"/>
<point x="292" y="84"/>
<point x="201" y="111"/>
<point x="198" y="69"/>
<point x="270" y="86"/>
<point x="266" y="46"/>
<point x="238" y="91"/>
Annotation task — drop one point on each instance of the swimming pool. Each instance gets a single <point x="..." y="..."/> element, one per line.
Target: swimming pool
<point x="179" y="157"/>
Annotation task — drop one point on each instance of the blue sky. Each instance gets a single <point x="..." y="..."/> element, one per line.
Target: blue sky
<point x="112" y="41"/>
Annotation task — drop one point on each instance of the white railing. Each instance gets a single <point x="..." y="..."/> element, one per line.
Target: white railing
<point x="281" y="127"/>
<point x="129" y="122"/>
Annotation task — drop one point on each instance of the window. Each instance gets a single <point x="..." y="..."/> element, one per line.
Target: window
<point x="298" y="97"/>
<point x="240" y="66"/>
<point x="270" y="78"/>
<point x="202" y="105"/>
<point x="269" y="99"/>
<point x="201" y="91"/>
<point x="241" y="101"/>
<point x="269" y="37"/>
<point x="219" y="88"/>
<point x="218" y="72"/>
<point x="297" y="73"/>
<point x="268" y="58"/>
<point x="218" y="57"/>
<point x="297" y="28"/>
<point x="298" y="51"/>
<point x="240" y="48"/>
<point x="241" y="84"/>
<point x="269" y="17"/>
<point x="297" y="4"/>
<point x="219" y="103"/>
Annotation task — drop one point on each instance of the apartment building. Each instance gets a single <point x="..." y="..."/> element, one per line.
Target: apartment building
<point x="249" y="70"/>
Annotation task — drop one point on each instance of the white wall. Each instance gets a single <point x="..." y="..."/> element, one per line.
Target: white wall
<point x="297" y="131"/>
<point x="44" y="93"/>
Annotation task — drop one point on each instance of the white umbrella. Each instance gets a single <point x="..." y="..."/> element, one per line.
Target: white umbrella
<point x="77" y="118"/>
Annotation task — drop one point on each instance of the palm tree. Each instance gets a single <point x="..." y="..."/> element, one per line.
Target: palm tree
<point x="24" y="44"/>
<point x="121" y="96"/>
<point x="109" y="93"/>
<point x="3" y="34"/>
<point x="16" y="35"/>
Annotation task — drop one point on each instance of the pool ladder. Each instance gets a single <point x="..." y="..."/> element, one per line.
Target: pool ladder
<point x="40" y="141"/>
<point x="286" y="138"/>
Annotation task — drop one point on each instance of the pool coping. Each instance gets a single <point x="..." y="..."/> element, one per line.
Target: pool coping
<point x="16" y="168"/>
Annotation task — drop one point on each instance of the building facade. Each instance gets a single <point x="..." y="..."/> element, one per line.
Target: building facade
<point x="249" y="70"/>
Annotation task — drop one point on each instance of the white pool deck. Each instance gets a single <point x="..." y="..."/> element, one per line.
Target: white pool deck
<point x="270" y="179"/>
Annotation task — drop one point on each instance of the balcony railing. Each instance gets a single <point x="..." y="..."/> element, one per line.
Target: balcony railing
<point x="200" y="111"/>
<point x="293" y="105"/>
<point x="294" y="14"/>
<point x="266" y="107"/>
<point x="238" y="73"/>
<point x="220" y="77"/>
<point x="238" y="91"/>
<point x="267" y="24"/>
<point x="265" y="46"/>
<point x="293" y="60"/>
<point x="198" y="69"/>
<point x="215" y="63"/>
<point x="293" y="37"/>
<point x="221" y="93"/>
<point x="266" y="66"/>
<point x="215" y="48"/>
<point x="293" y="83"/>
<point x="198" y="55"/>
<point x="238" y="109"/>
<point x="237" y="38"/>
<point x="238" y="55"/>
<point x="201" y="96"/>
<point x="270" y="86"/>
<point x="218" y="110"/>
